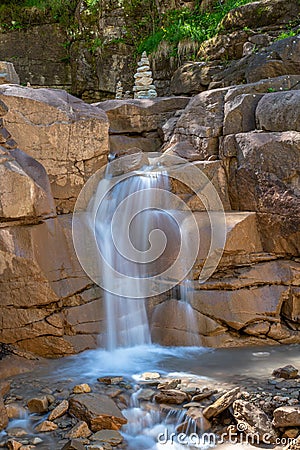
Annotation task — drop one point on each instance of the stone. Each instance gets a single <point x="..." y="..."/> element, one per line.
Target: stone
<point x="258" y="328"/>
<point x="223" y="47"/>
<point x="140" y="115"/>
<point x="172" y="396"/>
<point x="221" y="404"/>
<point x="111" y="437"/>
<point x="46" y="426"/>
<point x="59" y="410"/>
<point x="198" y="418"/>
<point x="192" y="78"/>
<point x="38" y="404"/>
<point x="268" y="187"/>
<point x="119" y="91"/>
<point x="8" y="74"/>
<point x="134" y="159"/>
<point x="279" y="111"/>
<point x="240" y="113"/>
<point x="254" y="420"/>
<point x="15" y="411"/>
<point x="13" y="445"/>
<point x="99" y="411"/>
<point x="3" y="415"/>
<point x="80" y="430"/>
<point x="151" y="376"/>
<point x="143" y="87"/>
<point x="286" y="416"/>
<point x="81" y="388"/>
<point x="261" y="13"/>
<point x="120" y="143"/>
<point x="287" y="372"/>
<point x="73" y="444"/>
<point x="110" y="380"/>
<point x="55" y="121"/>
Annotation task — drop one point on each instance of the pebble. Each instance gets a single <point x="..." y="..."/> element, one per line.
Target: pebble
<point x="82" y="389"/>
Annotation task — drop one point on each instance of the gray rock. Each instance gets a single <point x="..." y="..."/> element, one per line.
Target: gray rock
<point x="253" y="420"/>
<point x="279" y="111"/>
<point x="286" y="416"/>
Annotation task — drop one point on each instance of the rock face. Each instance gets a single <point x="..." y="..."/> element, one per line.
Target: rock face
<point x="66" y="135"/>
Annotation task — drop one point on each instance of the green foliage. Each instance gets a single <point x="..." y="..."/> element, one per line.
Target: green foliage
<point x="186" y="24"/>
<point x="287" y="34"/>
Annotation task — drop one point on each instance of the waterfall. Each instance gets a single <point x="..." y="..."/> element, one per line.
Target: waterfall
<point x="126" y="317"/>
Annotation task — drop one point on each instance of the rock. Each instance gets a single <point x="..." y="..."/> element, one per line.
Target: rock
<point x="3" y="415"/>
<point x="201" y="123"/>
<point x="139" y="115"/>
<point x="13" y="445"/>
<point x="253" y="420"/>
<point x="278" y="331"/>
<point x="99" y="411"/>
<point x="46" y="426"/>
<point x="150" y="376"/>
<point x="134" y="159"/>
<point x="110" y="380"/>
<point x="81" y="388"/>
<point x="261" y="13"/>
<point x="267" y="187"/>
<point x="15" y="411"/>
<point x="38" y="404"/>
<point x="145" y="394"/>
<point x="258" y="328"/>
<point x="198" y="419"/>
<point x="74" y="444"/>
<point x="279" y="111"/>
<point x="286" y="416"/>
<point x="240" y="113"/>
<point x="172" y="384"/>
<point x="111" y="437"/>
<point x="286" y="372"/>
<point x="80" y="430"/>
<point x="223" y="47"/>
<point x="173" y="396"/>
<point x="54" y="121"/>
<point x="205" y="394"/>
<point x="59" y="411"/>
<point x="221" y="404"/>
<point x="8" y="74"/>
<point x="193" y="77"/>
<point x="291" y="433"/>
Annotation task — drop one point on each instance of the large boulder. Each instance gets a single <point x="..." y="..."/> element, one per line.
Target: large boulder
<point x="8" y="73"/>
<point x="193" y="77"/>
<point x="69" y="137"/>
<point x="262" y="170"/>
<point x="261" y="13"/>
<point x="279" y="111"/>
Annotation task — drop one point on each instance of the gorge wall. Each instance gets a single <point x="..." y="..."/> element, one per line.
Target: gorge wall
<point x="240" y="127"/>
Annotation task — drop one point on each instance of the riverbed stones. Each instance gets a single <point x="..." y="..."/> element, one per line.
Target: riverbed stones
<point x="80" y="430"/>
<point x="221" y="404"/>
<point x="287" y="372"/>
<point x="46" y="427"/>
<point x="286" y="416"/>
<point x="13" y="444"/>
<point x="111" y="437"/>
<point x="83" y="388"/>
<point x="99" y="411"/>
<point x="73" y="444"/>
<point x="172" y="396"/>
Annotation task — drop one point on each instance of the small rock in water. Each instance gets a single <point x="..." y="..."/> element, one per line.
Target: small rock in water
<point x="110" y="380"/>
<point x="38" y="404"/>
<point x="172" y="396"/>
<point x="60" y="410"/>
<point x="221" y="404"/>
<point x="108" y="436"/>
<point x="46" y="426"/>
<point x="169" y="384"/>
<point x="286" y="372"/>
<point x="286" y="416"/>
<point x="82" y="389"/>
<point x="15" y="411"/>
<point x="74" y="444"/>
<point x="13" y="445"/>
<point x="36" y="440"/>
<point x="198" y="419"/>
<point x="17" y="432"/>
<point x="205" y="394"/>
<point x="150" y="376"/>
<point x="80" y="430"/>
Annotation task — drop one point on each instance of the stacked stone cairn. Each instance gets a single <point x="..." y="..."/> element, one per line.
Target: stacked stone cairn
<point x="119" y="91"/>
<point x="143" y="87"/>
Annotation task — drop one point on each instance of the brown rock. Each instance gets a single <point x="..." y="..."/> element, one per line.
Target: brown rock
<point x="15" y="411"/>
<point x="80" y="430"/>
<point x="13" y="445"/>
<point x="221" y="404"/>
<point x="38" y="404"/>
<point x="200" y="421"/>
<point x="4" y="388"/>
<point x="193" y="77"/>
<point x="59" y="411"/>
<point x="173" y="396"/>
<point x="279" y="111"/>
<point x="46" y="426"/>
<point x="81" y="389"/>
<point x="3" y="415"/>
<point x="253" y="420"/>
<point x="9" y="74"/>
<point x="286" y="416"/>
<point x="64" y="129"/>
<point x="110" y="380"/>
<point x="140" y="115"/>
<point x="261" y="13"/>
<point x="286" y="372"/>
<point x="135" y="160"/>
<point x="258" y="328"/>
<point x="99" y="411"/>
<point x="240" y="113"/>
<point x="74" y="444"/>
<point x="111" y="437"/>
